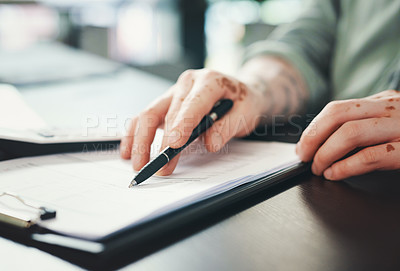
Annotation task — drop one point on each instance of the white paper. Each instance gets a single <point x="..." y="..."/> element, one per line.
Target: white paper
<point x="90" y="190"/>
<point x="15" y="114"/>
<point x="19" y="122"/>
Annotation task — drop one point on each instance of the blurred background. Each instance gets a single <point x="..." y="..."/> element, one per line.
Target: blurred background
<point x="163" y="37"/>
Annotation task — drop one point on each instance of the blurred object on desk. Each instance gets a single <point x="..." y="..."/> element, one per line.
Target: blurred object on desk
<point x="50" y="62"/>
<point x="83" y="112"/>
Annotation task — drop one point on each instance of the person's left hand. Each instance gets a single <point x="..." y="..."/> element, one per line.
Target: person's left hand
<point x="368" y="127"/>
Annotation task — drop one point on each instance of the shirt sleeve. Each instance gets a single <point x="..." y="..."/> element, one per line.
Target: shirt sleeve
<point x="307" y="43"/>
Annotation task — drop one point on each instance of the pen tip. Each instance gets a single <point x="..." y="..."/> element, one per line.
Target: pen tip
<point x="132" y="184"/>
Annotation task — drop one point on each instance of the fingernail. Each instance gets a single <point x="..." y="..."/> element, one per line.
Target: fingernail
<point x="216" y="139"/>
<point x="328" y="174"/>
<point x="314" y="169"/>
<point x="174" y="136"/>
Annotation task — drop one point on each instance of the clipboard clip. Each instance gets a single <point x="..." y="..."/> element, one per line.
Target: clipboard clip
<point x="17" y="218"/>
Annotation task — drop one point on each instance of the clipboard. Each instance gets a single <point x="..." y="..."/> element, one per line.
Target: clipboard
<point x="24" y="133"/>
<point x="10" y="149"/>
<point x="121" y="247"/>
<point x="18" y="219"/>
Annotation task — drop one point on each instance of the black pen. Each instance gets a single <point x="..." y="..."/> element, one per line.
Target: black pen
<point x="219" y="109"/>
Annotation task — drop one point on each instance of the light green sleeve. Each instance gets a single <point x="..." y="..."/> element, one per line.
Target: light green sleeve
<point x="308" y="44"/>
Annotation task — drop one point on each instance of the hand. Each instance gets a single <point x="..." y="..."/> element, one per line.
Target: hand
<point x="370" y="127"/>
<point x="182" y="107"/>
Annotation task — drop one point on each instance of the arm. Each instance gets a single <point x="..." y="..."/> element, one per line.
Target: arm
<point x="283" y="89"/>
<point x="307" y="44"/>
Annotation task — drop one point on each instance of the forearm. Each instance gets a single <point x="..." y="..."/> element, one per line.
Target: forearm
<point x="283" y="88"/>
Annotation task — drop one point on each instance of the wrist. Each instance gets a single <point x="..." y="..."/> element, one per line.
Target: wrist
<point x="281" y="85"/>
<point x="261" y="89"/>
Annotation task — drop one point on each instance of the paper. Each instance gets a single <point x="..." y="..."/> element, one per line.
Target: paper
<point x="15" y="113"/>
<point x="19" y="122"/>
<point x="90" y="190"/>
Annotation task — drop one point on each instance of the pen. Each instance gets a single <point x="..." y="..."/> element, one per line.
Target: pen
<point x="219" y="110"/>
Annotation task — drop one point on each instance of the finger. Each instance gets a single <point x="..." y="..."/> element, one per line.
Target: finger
<point x="171" y="165"/>
<point x="380" y="157"/>
<point x="332" y="117"/>
<point x="384" y="94"/>
<point x="351" y="135"/>
<point x="180" y="91"/>
<point x="204" y="94"/>
<point x="148" y="122"/>
<point x="127" y="140"/>
<point x="169" y="168"/>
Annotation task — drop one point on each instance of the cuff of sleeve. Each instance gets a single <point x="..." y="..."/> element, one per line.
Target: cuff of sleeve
<point x="314" y="80"/>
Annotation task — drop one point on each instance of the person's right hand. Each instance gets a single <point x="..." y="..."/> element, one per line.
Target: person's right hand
<point x="181" y="109"/>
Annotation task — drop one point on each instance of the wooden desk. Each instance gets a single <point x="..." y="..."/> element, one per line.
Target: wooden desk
<point x="312" y="225"/>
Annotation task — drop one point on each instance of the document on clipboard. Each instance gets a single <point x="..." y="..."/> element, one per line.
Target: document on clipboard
<point x="89" y="190"/>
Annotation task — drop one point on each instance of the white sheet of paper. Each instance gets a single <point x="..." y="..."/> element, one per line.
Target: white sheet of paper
<point x="19" y="122"/>
<point x="90" y="190"/>
<point x="15" y="113"/>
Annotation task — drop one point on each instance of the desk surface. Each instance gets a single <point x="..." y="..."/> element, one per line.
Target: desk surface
<point x="306" y="224"/>
<point x="313" y="225"/>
